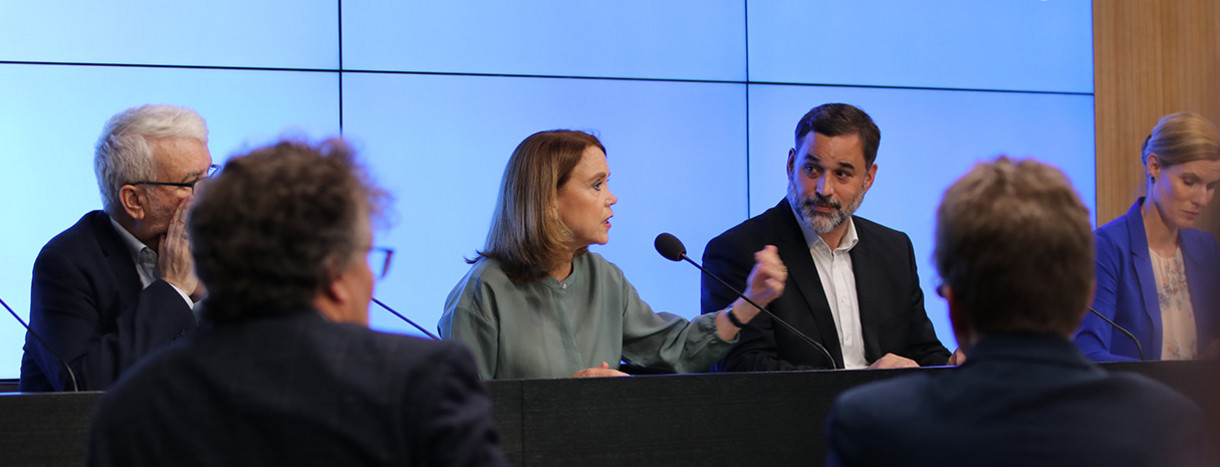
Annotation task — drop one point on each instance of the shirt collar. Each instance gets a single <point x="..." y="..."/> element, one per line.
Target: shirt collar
<point x="812" y="239"/>
<point x="133" y="244"/>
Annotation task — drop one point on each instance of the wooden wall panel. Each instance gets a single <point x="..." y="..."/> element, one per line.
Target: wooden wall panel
<point x="1150" y="58"/>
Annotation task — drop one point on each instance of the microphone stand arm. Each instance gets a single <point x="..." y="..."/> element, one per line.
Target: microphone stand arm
<point x="790" y="327"/>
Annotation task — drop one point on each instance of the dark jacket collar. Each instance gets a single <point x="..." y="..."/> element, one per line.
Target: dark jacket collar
<point x="1028" y="347"/>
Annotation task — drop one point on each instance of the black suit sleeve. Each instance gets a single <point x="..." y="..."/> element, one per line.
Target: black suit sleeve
<point x="727" y="262"/>
<point x="922" y="344"/>
<point x="453" y="411"/>
<point x="756" y="348"/>
<point x="66" y="312"/>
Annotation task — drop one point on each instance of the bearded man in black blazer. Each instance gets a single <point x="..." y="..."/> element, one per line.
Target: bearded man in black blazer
<point x="852" y="283"/>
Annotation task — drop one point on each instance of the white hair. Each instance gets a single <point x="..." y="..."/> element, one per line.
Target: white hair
<point x="124" y="150"/>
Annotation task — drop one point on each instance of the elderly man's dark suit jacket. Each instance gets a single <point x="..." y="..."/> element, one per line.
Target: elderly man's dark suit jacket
<point x="1019" y="400"/>
<point x="87" y="302"/>
<point x="892" y="316"/>
<point x="297" y="389"/>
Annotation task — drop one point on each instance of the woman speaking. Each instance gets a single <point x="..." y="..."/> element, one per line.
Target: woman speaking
<point x="537" y="304"/>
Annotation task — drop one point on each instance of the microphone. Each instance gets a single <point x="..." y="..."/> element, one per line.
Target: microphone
<point x="44" y="345"/>
<point x="672" y="249"/>
<point x="1138" y="347"/>
<point x="404" y="318"/>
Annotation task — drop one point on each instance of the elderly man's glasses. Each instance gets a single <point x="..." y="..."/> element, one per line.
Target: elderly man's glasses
<point x="212" y="169"/>
<point x="379" y="261"/>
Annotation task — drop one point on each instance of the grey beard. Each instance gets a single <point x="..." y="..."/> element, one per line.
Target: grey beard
<point x="822" y="222"/>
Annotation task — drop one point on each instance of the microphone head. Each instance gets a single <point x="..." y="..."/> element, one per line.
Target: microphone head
<point x="670" y="247"/>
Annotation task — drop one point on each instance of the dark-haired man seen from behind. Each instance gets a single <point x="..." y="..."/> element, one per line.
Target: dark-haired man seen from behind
<point x="852" y="283"/>
<point x="1015" y="249"/>
<point x="284" y="370"/>
<point x="120" y="282"/>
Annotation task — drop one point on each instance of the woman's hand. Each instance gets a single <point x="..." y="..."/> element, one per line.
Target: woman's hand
<point x="598" y="372"/>
<point x="765" y="283"/>
<point x="766" y="280"/>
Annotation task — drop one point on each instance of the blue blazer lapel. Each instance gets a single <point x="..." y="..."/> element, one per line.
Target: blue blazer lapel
<point x="1145" y="277"/>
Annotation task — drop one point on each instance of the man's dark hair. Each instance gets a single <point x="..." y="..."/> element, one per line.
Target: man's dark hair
<point x="275" y="225"/>
<point x="841" y="120"/>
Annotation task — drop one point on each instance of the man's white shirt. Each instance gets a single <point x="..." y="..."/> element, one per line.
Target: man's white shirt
<point x="839" y="283"/>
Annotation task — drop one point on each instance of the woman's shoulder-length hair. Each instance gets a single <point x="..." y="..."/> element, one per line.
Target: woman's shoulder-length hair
<point x="526" y="234"/>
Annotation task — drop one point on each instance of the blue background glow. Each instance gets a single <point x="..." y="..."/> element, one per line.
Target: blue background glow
<point x="695" y="101"/>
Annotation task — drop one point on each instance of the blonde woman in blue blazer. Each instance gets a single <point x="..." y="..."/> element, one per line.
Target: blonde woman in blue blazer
<point x="1157" y="276"/>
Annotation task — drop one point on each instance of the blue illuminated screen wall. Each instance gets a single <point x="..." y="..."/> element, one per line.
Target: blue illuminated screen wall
<point x="695" y="102"/>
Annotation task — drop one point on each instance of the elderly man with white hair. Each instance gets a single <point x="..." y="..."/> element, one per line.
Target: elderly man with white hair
<point x="121" y="282"/>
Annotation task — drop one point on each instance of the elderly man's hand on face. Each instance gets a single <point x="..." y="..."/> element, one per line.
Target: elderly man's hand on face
<point x="177" y="266"/>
